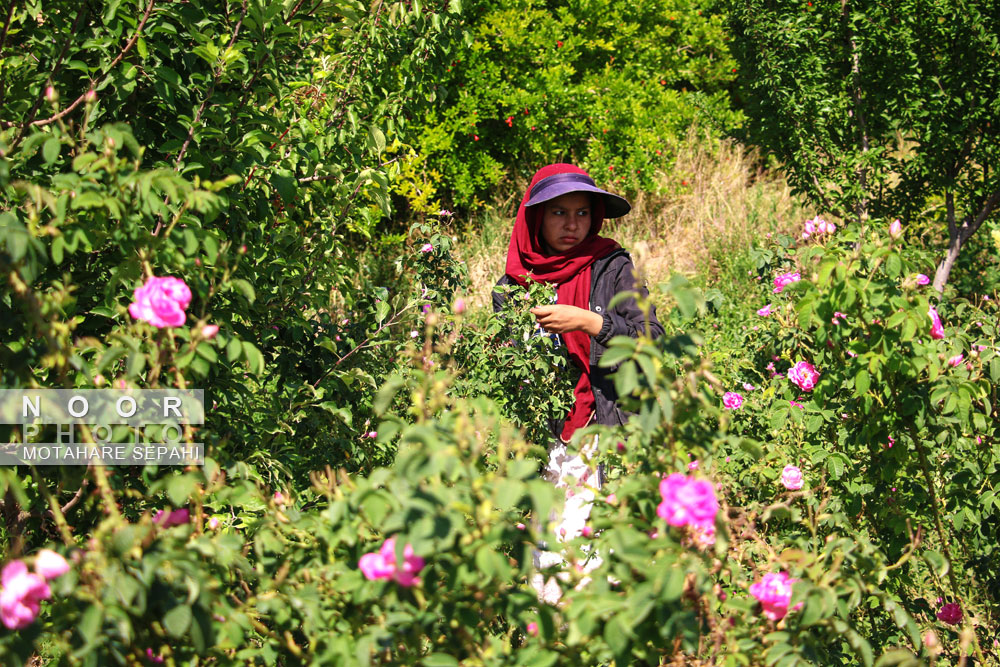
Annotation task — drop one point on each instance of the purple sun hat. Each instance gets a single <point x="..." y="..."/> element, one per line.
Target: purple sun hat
<point x="557" y="185"/>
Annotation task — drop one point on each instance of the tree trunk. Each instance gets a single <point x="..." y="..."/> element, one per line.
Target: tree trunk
<point x="944" y="268"/>
<point x="958" y="235"/>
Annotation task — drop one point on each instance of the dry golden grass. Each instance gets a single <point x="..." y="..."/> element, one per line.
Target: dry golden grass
<point x="727" y="203"/>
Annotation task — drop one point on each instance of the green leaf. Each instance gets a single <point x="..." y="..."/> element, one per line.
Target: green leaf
<point x="233" y="349"/>
<point x="180" y="488"/>
<point x="50" y="150"/>
<point x="862" y="381"/>
<point x="177" y="621"/>
<point x="254" y="356"/>
<point x="439" y="660"/>
<point x="616" y="634"/>
<point x="386" y="394"/>
<point x="245" y="288"/>
<point x="90" y="623"/>
<point x="378" y="138"/>
<point x="284" y="182"/>
<point x="491" y="564"/>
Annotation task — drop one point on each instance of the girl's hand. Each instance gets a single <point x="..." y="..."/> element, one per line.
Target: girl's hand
<point x="561" y="318"/>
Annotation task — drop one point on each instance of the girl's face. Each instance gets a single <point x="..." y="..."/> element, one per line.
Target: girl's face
<point x="566" y="221"/>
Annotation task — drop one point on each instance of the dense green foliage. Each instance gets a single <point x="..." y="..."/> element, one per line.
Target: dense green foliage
<point x="879" y="109"/>
<point x="610" y="86"/>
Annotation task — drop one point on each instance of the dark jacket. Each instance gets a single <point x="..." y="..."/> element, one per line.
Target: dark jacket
<point x="609" y="275"/>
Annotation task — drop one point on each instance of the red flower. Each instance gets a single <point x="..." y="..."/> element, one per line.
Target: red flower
<point x="510" y="121"/>
<point x="559" y="44"/>
<point x="475" y="137"/>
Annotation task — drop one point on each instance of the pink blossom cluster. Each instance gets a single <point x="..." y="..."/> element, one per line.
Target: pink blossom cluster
<point x="817" y="226"/>
<point x="382" y="564"/>
<point x="766" y="310"/>
<point x="937" y="330"/>
<point x="783" y="280"/>
<point x="732" y="400"/>
<point x="774" y="592"/>
<point x="687" y="501"/>
<point x="23" y="591"/>
<point x="161" y="302"/>
<point x="804" y="375"/>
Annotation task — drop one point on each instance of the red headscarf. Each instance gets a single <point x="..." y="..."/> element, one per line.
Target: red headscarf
<point x="570" y="271"/>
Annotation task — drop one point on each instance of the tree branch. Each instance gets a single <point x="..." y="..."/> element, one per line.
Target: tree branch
<point x="969" y="228"/>
<point x="55" y="69"/>
<point x="114" y="63"/>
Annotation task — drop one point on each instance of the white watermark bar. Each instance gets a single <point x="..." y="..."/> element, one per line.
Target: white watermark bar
<point x="135" y="407"/>
<point x="108" y="454"/>
<point x="102" y="426"/>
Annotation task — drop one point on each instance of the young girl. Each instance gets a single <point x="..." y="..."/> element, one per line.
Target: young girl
<point x="556" y="240"/>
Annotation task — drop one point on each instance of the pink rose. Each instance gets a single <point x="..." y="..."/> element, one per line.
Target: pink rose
<point x="279" y="498"/>
<point x="49" y="564"/>
<point x="21" y="595"/>
<point x="895" y="229"/>
<point x="532" y="629"/>
<point x="174" y="518"/>
<point x="922" y="279"/>
<point x="950" y="613"/>
<point x="937" y="331"/>
<point x="373" y="566"/>
<point x="773" y="592"/>
<point x="382" y="565"/>
<point x="161" y="302"/>
<point x="459" y="306"/>
<point x="748" y="387"/>
<point x="808" y="228"/>
<point x="427" y="247"/>
<point x="782" y="280"/>
<point x="732" y="400"/>
<point x="765" y="311"/>
<point x="956" y="360"/>
<point x="804" y="375"/>
<point x="209" y="330"/>
<point x="213" y="523"/>
<point x="791" y="477"/>
<point x="687" y="501"/>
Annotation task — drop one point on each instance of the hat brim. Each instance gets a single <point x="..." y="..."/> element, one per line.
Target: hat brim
<point x="614" y="206"/>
